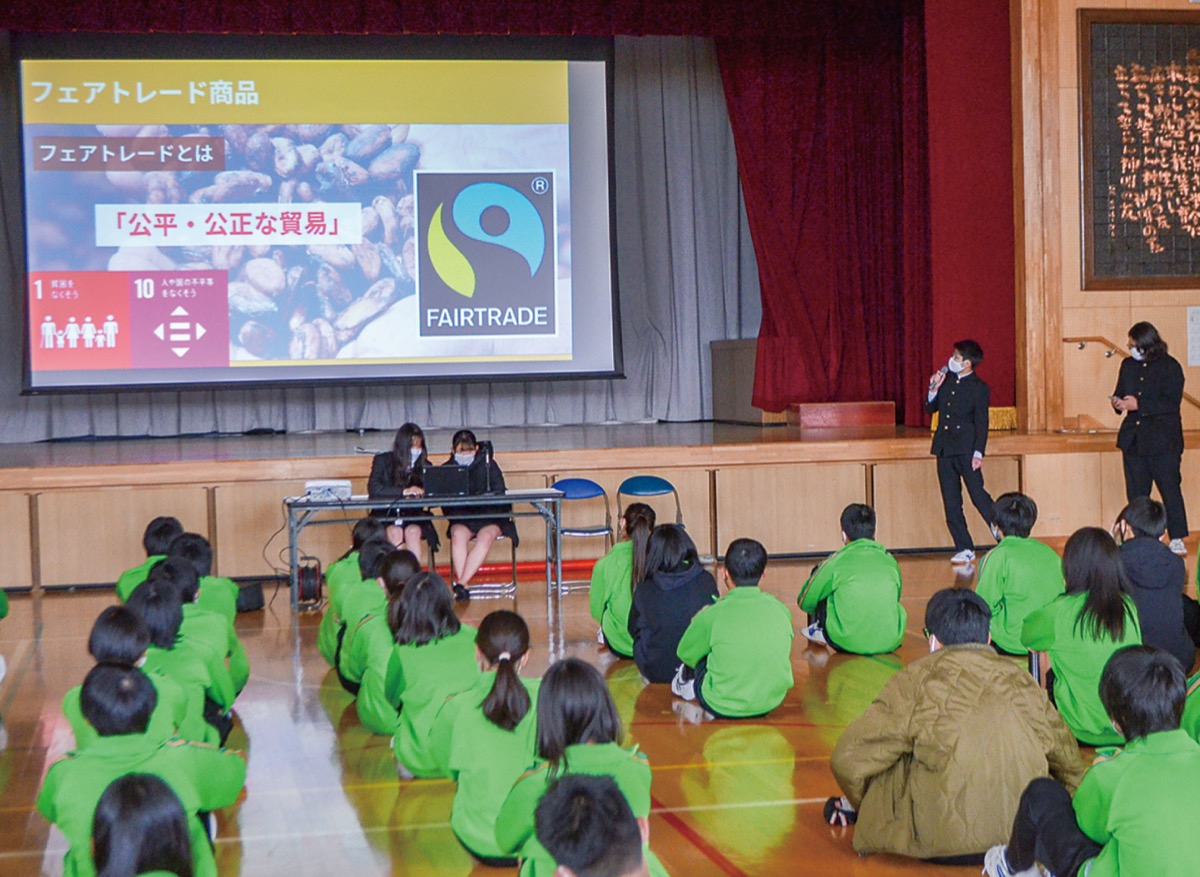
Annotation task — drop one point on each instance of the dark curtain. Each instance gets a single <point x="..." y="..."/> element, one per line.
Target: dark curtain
<point x="828" y="119"/>
<point x="827" y="104"/>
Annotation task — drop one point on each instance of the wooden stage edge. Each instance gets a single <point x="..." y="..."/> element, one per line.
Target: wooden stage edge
<point x="781" y="485"/>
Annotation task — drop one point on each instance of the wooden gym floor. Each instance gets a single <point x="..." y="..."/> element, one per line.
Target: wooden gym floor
<point x="730" y="798"/>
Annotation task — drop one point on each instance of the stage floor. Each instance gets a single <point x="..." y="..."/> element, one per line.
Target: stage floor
<point x="731" y="798"/>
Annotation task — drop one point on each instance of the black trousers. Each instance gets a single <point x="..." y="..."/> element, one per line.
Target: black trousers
<point x="953" y="472"/>
<point x="1045" y="831"/>
<point x="1163" y="471"/>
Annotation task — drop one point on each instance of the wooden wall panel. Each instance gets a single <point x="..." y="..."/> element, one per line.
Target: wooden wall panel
<point x="790" y="509"/>
<point x="113" y="519"/>
<point x="16" y="538"/>
<point x="909" y="504"/>
<point x="1068" y="489"/>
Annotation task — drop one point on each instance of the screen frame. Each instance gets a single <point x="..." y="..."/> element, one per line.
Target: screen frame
<point x="19" y="47"/>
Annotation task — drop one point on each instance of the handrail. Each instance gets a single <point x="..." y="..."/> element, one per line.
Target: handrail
<point x="1083" y="340"/>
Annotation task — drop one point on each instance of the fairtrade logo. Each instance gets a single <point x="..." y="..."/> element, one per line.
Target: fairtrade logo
<point x="525" y="234"/>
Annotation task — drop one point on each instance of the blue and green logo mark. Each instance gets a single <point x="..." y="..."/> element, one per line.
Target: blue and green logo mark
<point x="486" y="260"/>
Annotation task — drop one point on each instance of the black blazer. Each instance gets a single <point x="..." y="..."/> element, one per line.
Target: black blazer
<point x="962" y="407"/>
<point x="1155" y="428"/>
<point x="382" y="482"/>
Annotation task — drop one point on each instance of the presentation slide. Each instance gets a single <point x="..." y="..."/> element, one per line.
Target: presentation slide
<point x="233" y="221"/>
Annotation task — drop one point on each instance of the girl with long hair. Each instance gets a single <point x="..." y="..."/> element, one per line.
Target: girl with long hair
<point x="617" y="574"/>
<point x="399" y="474"/>
<point x="140" y="827"/>
<point x="487" y="521"/>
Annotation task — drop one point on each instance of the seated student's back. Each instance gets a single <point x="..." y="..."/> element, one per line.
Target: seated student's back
<point x="1020" y="575"/>
<point x="156" y="540"/>
<point x="615" y="576"/>
<point x="741" y="645"/>
<point x="338" y="574"/>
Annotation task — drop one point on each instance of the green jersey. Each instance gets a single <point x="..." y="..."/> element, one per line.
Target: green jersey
<point x="482" y="758"/>
<point x="358" y="602"/>
<point x="420" y="678"/>
<point x="373" y="647"/>
<point x="515" y="826"/>
<point x="1191" y="709"/>
<point x="746" y="639"/>
<point x="1078" y="659"/>
<point x="336" y="575"/>
<point x="211" y="629"/>
<point x="1141" y="805"/>
<point x="204" y="778"/>
<point x="861" y="583"/>
<point x="191" y="663"/>
<point x="1017" y="577"/>
<point x="128" y="581"/>
<point x="168" y="720"/>
<point x="611" y="596"/>
<point x="219" y="595"/>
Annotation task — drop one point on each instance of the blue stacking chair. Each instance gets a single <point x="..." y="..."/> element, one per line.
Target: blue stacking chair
<point x="576" y="490"/>
<point x="649" y="485"/>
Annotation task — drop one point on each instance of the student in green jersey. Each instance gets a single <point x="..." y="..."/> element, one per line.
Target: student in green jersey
<point x="485" y="737"/>
<point x="121" y="638"/>
<point x="360" y="600"/>
<point x="1081" y="629"/>
<point x="737" y="653"/>
<point x="433" y="659"/>
<point x="156" y="539"/>
<point x="578" y="732"/>
<point x="585" y="824"/>
<point x="853" y="598"/>
<point x="217" y="593"/>
<point x="615" y="576"/>
<point x="371" y="648"/>
<point x="118" y="702"/>
<point x="140" y="828"/>
<point x="1134" y="813"/>
<point x="192" y="664"/>
<point x="338" y="574"/>
<point x="1019" y="575"/>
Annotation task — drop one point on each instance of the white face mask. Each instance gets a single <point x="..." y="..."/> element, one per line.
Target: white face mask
<point x="415" y="453"/>
<point x="464" y="459"/>
<point x="955" y="365"/>
<point x="1136" y="353"/>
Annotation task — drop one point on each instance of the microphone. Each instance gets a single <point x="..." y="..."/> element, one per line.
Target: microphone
<point x="933" y="381"/>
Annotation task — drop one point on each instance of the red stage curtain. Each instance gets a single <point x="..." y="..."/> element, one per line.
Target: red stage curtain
<point x="830" y="133"/>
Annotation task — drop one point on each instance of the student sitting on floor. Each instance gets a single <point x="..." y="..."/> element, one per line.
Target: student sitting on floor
<point x="157" y="539"/>
<point x="119" y="637"/>
<point x="1019" y="575"/>
<point x="853" y="598"/>
<point x="360" y="599"/>
<point x="118" y="702"/>
<point x="140" y="827"/>
<point x="192" y="664"/>
<point x="338" y="574"/>
<point x="485" y="737"/>
<point x="935" y="766"/>
<point x="1134" y="813"/>
<point x="615" y="576"/>
<point x="737" y="653"/>
<point x="1157" y="577"/>
<point x="1081" y="629"/>
<point x="578" y="732"/>
<point x="676" y="587"/>
<point x="217" y="593"/>
<point x="586" y="826"/>
<point x="371" y="648"/>
<point x="433" y="659"/>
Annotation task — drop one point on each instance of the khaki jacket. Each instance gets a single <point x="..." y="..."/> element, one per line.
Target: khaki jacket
<point x="937" y="763"/>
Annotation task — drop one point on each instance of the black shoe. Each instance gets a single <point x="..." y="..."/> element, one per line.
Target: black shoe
<point x="461" y="593"/>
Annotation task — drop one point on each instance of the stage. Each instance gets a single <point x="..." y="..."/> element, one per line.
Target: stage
<point x="781" y="485"/>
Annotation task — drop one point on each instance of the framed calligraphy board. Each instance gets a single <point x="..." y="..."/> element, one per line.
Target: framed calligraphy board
<point x="1139" y="87"/>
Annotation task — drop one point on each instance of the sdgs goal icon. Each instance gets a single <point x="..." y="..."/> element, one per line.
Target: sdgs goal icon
<point x="486" y="254"/>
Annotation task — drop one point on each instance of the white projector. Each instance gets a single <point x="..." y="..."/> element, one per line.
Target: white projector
<point x="328" y="488"/>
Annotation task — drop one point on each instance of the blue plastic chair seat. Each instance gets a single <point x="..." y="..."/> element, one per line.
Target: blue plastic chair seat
<point x="578" y="488"/>
<point x="645" y="485"/>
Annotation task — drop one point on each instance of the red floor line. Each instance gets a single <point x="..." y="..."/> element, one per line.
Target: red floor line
<point x="710" y="852"/>
<point x="717" y="723"/>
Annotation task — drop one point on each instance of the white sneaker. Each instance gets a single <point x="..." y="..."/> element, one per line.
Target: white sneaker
<point x="964" y="556"/>
<point x="600" y="637"/>
<point x="1178" y="547"/>
<point x="996" y="865"/>
<point x="814" y="632"/>
<point x="681" y="687"/>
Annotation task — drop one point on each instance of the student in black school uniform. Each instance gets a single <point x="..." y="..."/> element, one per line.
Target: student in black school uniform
<point x="960" y="399"/>
<point x="1149" y="392"/>
<point x="399" y="474"/>
<point x="489" y="521"/>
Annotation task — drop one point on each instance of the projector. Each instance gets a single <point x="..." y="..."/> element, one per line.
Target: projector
<point x="328" y="488"/>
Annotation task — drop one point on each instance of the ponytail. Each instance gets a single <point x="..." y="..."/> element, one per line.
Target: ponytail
<point x="639" y="522"/>
<point x="503" y="639"/>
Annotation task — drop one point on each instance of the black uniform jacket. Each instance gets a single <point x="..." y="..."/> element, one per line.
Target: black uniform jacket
<point x="962" y="406"/>
<point x="1155" y="428"/>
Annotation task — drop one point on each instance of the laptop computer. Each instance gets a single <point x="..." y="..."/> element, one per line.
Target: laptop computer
<point x="447" y="480"/>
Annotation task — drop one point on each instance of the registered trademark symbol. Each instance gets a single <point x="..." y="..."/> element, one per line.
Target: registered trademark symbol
<point x="539" y="185"/>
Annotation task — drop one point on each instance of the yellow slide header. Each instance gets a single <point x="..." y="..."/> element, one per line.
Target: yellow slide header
<point x="282" y="91"/>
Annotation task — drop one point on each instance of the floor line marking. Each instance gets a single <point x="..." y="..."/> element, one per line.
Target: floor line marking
<point x="690" y="834"/>
<point x="743" y="805"/>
